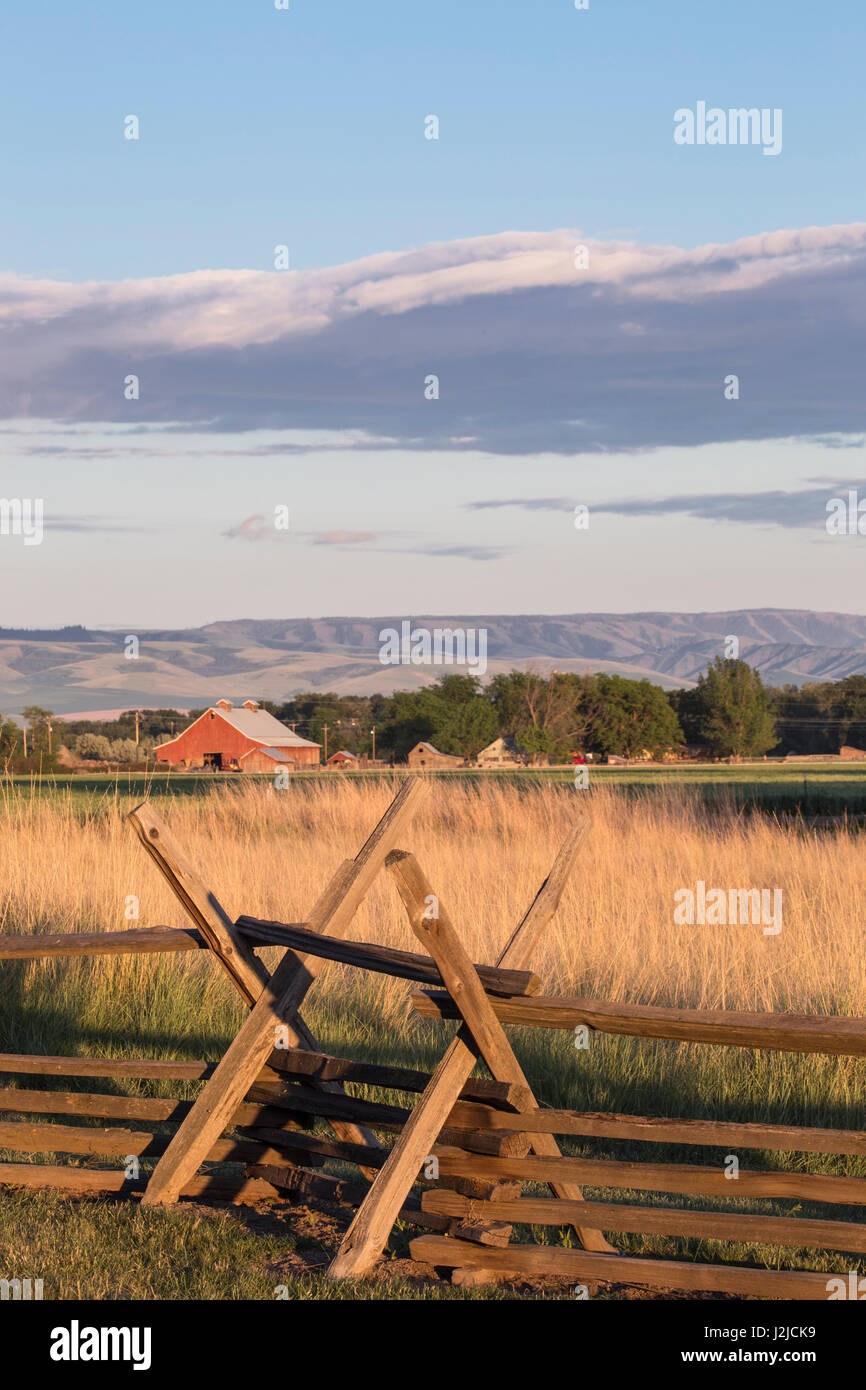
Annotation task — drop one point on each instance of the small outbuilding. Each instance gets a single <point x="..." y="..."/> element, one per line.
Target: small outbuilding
<point x="502" y="752"/>
<point x="425" y="755"/>
<point x="343" y="759"/>
<point x="265" y="760"/>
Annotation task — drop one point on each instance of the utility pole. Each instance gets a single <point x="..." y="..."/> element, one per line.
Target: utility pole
<point x="24" y="732"/>
<point x="48" y="722"/>
<point x="136" y="728"/>
<point x="373" y="732"/>
<point x="326" y="727"/>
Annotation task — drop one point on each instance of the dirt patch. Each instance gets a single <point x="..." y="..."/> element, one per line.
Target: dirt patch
<point x="316" y="1229"/>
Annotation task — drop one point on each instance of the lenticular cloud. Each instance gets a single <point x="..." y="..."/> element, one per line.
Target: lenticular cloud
<point x="540" y="341"/>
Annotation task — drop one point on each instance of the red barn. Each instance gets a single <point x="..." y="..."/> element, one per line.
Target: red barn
<point x="342" y="760"/>
<point x="238" y="740"/>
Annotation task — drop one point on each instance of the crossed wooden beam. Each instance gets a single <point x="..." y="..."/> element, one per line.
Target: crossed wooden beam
<point x="276" y="1000"/>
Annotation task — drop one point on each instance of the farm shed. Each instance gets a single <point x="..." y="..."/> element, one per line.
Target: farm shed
<point x="343" y="759"/>
<point x="265" y="760"/>
<point x="425" y="755"/>
<point x="502" y="752"/>
<point x="223" y="738"/>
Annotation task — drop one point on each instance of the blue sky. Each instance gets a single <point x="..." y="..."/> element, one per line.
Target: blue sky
<point x="409" y="257"/>
<point x="305" y="126"/>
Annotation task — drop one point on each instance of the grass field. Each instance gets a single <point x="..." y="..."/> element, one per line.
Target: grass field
<point x="68" y="862"/>
<point x="808" y="788"/>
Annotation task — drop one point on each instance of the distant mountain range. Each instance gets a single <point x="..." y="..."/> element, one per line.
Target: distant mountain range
<point x="75" y="668"/>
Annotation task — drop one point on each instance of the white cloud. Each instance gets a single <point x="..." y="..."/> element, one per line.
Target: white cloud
<point x="531" y="353"/>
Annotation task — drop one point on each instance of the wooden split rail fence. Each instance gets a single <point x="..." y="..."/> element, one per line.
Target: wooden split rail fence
<point x="253" y="1122"/>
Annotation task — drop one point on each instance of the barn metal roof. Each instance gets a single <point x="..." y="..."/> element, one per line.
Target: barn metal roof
<point x="279" y="755"/>
<point x="264" y="728"/>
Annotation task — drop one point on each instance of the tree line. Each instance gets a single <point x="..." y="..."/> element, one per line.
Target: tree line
<point x="728" y="713"/>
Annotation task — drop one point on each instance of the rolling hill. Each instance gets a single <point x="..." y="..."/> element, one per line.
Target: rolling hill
<point x="75" y="668"/>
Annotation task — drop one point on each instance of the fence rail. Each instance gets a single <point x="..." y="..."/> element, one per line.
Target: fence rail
<point x="259" y="1111"/>
<point x="778" y="1032"/>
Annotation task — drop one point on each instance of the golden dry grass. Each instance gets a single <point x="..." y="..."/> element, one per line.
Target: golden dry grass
<point x="485" y="849"/>
<point x="69" y="866"/>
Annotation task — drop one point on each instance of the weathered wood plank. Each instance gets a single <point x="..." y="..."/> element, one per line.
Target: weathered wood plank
<point x="205" y="909"/>
<point x="387" y="1118"/>
<point x="621" y="1269"/>
<point x="101" y="943"/>
<point x="381" y="960"/>
<point x="16" y="1100"/>
<point x="231" y="949"/>
<point x="279" y="1003"/>
<point x="309" y="1102"/>
<point x="369" y="1231"/>
<point x="269" y="1108"/>
<point x="145" y="1068"/>
<point x="844" y="1037"/>
<point x="302" y="1147"/>
<point x="665" y="1221"/>
<point x="661" y="1131"/>
<point x="437" y="933"/>
<point x="268" y="1103"/>
<point x="296" y="1062"/>
<point x="317" y="1067"/>
<point x="520" y="948"/>
<point x="658" y="1177"/>
<point x="523" y="941"/>
<point x="72" y="1139"/>
<point x="87" y="1180"/>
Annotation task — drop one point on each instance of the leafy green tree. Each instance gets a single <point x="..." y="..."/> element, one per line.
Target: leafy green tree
<point x="350" y="719"/>
<point x="458" y="689"/>
<point x="124" y="750"/>
<point x="407" y="720"/>
<point x="11" y="743"/>
<point x="843" y="707"/>
<point x="688" y="708"/>
<point x="630" y="717"/>
<point x="506" y="694"/>
<point x="736" y="721"/>
<point x="538" y="741"/>
<point x="95" y="746"/>
<point x="474" y="726"/>
<point x="454" y="715"/>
